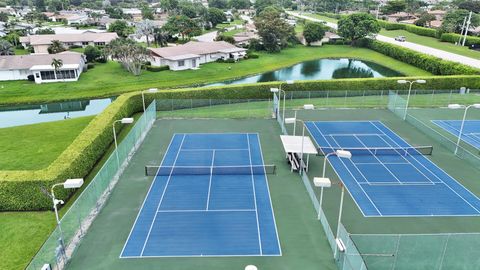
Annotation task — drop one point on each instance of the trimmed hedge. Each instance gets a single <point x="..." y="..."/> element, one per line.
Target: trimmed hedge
<point x="429" y="63"/>
<point x="422" y="31"/>
<point x="20" y="190"/>
<point x="391" y="26"/>
<point x="157" y="69"/>
<point x="453" y="38"/>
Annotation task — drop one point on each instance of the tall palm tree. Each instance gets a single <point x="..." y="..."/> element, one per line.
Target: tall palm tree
<point x="6" y="48"/>
<point x="57" y="64"/>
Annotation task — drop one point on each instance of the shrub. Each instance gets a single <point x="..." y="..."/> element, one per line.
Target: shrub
<point x="391" y="26"/>
<point x="453" y="38"/>
<point x="31" y="78"/>
<point x="252" y="55"/>
<point x="429" y="63"/>
<point x="220" y="60"/>
<point x="157" y="69"/>
<point x="90" y="65"/>
<point x="422" y="31"/>
<point x="230" y="60"/>
<point x="75" y="47"/>
<point x="20" y="190"/>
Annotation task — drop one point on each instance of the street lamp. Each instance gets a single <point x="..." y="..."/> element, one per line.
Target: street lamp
<point x="69" y="183"/>
<point x="458" y="106"/>
<point x="279" y="90"/>
<point x="305" y="107"/>
<point x="409" y="91"/>
<point x="151" y="91"/>
<point x="321" y="182"/>
<point x="123" y="121"/>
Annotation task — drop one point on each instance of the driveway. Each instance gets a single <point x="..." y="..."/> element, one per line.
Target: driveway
<point x="207" y="37"/>
<point x="413" y="46"/>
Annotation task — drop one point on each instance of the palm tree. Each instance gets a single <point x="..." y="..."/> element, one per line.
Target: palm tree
<point x="56" y="47"/>
<point x="6" y="48"/>
<point x="57" y="64"/>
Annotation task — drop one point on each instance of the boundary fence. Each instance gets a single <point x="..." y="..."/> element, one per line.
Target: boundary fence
<point x="83" y="211"/>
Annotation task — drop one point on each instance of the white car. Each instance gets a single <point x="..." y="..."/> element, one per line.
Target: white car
<point x="400" y="38"/>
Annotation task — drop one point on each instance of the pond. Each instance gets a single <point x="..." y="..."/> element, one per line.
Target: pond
<point x="11" y="116"/>
<point x="322" y="69"/>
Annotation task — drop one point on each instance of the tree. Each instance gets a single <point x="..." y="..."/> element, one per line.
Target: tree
<point x="470" y="5"/>
<point x="357" y="26"/>
<point x="114" y="12"/>
<point x="92" y="53"/>
<point x="394" y="6"/>
<point x="6" y="48"/>
<point x="260" y="5"/>
<point x="145" y="28"/>
<point x="239" y="4"/>
<point x="57" y="64"/>
<point x="313" y="32"/>
<point x="228" y="39"/>
<point x="181" y="24"/>
<point x="274" y="31"/>
<point x="216" y="16"/>
<point x="147" y="13"/>
<point x="121" y="28"/>
<point x="40" y="5"/>
<point x="160" y="37"/>
<point x="453" y="20"/>
<point x="131" y="55"/>
<point x="56" y="47"/>
<point x="3" y="17"/>
<point x="13" y="38"/>
<point x="425" y="19"/>
<point x="169" y="5"/>
<point x="221" y="4"/>
<point x="45" y="31"/>
<point x="188" y="10"/>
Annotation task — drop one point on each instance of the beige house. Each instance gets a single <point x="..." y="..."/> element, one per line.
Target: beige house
<point x="19" y="67"/>
<point x="40" y="43"/>
<point x="192" y="54"/>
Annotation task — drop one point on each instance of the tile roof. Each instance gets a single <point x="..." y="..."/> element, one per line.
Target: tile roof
<point x="193" y="47"/>
<point x="83" y="37"/>
<point x="9" y="62"/>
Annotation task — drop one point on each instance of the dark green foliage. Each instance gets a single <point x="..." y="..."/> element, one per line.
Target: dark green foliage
<point x="3" y="17"/>
<point x="216" y="16"/>
<point x="90" y="65"/>
<point x="157" y="69"/>
<point x="252" y="55"/>
<point x="274" y="31"/>
<point x="121" y="28"/>
<point x="357" y="26"/>
<point x="313" y="32"/>
<point x="228" y="39"/>
<point x="422" y="31"/>
<point x="429" y="63"/>
<point x="239" y="4"/>
<point x="221" y="4"/>
<point x="453" y="38"/>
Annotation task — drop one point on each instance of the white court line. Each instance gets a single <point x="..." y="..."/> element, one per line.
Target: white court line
<point x="269" y="197"/>
<point x="205" y="210"/>
<point x="163" y="194"/>
<point x="254" y="196"/>
<point x="210" y="149"/>
<point x="398" y="184"/>
<point x="478" y="211"/>
<point x="210" y="179"/>
<point x="464" y="135"/>
<point x="145" y="199"/>
<point x="387" y="163"/>
<point x="354" y="178"/>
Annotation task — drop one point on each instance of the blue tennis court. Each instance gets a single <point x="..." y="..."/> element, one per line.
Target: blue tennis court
<point x="210" y="197"/>
<point x="470" y="133"/>
<point x="387" y="177"/>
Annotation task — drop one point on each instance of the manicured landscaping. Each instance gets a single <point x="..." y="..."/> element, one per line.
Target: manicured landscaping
<point x="21" y="51"/>
<point x="111" y="79"/>
<point x="432" y="42"/>
<point x="34" y="147"/>
<point x="320" y="17"/>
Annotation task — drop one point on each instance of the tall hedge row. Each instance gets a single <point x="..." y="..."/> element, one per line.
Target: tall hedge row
<point x="21" y="190"/>
<point x="422" y="31"/>
<point x="453" y="38"/>
<point x="429" y="63"/>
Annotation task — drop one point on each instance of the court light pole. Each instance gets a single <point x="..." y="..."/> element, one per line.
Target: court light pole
<point x="69" y="183"/>
<point x="409" y="92"/>
<point x="126" y="120"/>
<point x="280" y="92"/>
<point x="150" y="91"/>
<point x="458" y="106"/>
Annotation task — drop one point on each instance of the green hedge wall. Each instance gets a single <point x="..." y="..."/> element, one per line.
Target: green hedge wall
<point x="429" y="63"/>
<point x="20" y="190"/>
<point x="391" y="26"/>
<point x="422" y="31"/>
<point x="453" y="38"/>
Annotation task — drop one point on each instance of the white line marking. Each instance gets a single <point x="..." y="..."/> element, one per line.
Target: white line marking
<point x="254" y="196"/>
<point x="163" y="194"/>
<point x="204" y="210"/>
<point x="210" y="180"/>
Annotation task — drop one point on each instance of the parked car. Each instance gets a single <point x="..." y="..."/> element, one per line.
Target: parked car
<point x="400" y="38"/>
<point x="475" y="47"/>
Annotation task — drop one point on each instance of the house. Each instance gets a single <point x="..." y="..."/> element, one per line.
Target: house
<point x="70" y="17"/>
<point x="20" y="67"/>
<point x="244" y="38"/>
<point x="400" y="16"/>
<point x="192" y="54"/>
<point x="40" y="43"/>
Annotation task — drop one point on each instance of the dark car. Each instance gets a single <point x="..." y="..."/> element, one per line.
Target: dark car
<point x="475" y="47"/>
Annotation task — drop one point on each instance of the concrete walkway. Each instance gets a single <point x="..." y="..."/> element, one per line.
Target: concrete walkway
<point x="413" y="46"/>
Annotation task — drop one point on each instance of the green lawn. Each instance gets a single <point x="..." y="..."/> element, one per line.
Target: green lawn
<point x="432" y="42"/>
<point x="35" y="146"/>
<point x="21" y="52"/>
<point x="79" y="50"/>
<point x="320" y="17"/>
<point x="111" y="79"/>
<point x="233" y="32"/>
<point x="226" y="25"/>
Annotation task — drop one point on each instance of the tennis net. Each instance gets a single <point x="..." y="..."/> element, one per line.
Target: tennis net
<point x="207" y="170"/>
<point x="381" y="151"/>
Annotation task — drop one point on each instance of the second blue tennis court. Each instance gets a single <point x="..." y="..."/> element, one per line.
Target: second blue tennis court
<point x="470" y="133"/>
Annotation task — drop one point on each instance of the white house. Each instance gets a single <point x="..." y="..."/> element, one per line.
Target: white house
<point x="19" y="67"/>
<point x="40" y="43"/>
<point x="192" y="54"/>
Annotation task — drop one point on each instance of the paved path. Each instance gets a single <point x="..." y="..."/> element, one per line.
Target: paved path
<point x="207" y="37"/>
<point x="413" y="46"/>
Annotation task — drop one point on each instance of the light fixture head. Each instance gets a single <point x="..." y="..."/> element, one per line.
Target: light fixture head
<point x="343" y="154"/>
<point x="290" y="81"/>
<point x="127" y="120"/>
<point x="290" y="120"/>
<point x="421" y="81"/>
<point x="308" y="107"/>
<point x="402" y="81"/>
<point x="455" y="106"/>
<point x="274" y="90"/>
<point x="322" y="182"/>
<point x="73" y="183"/>
<point x="476" y="105"/>
<point x="152" y="90"/>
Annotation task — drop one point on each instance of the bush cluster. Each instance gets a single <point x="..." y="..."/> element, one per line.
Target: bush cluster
<point x="422" y="31"/>
<point x="454" y="38"/>
<point x="156" y="69"/>
<point x="429" y="63"/>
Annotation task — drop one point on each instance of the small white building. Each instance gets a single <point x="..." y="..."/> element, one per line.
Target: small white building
<point x="19" y="67"/>
<point x="40" y="43"/>
<point x="192" y="54"/>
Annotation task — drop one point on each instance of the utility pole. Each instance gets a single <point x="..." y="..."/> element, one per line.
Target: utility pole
<point x="469" y="21"/>
<point x="461" y="32"/>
